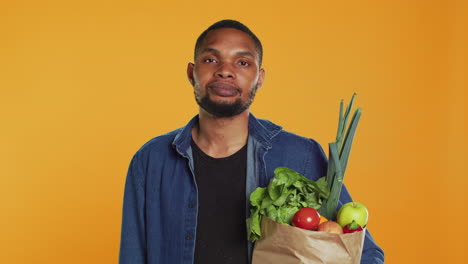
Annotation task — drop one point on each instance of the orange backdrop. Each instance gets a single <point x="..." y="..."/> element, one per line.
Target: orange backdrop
<point x="85" y="83"/>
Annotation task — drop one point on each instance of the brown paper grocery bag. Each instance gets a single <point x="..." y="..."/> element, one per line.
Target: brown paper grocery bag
<point x="284" y="244"/>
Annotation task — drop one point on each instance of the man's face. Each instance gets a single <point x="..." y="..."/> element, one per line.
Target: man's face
<point x="226" y="73"/>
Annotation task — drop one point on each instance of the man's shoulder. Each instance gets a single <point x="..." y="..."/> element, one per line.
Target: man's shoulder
<point x="159" y="143"/>
<point x="293" y="141"/>
<point x="288" y="137"/>
<point x="300" y="153"/>
<point x="284" y="140"/>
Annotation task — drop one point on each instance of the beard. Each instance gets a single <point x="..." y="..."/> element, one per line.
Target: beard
<point x="225" y="109"/>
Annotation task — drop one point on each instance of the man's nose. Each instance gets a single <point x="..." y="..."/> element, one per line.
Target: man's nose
<point x="225" y="71"/>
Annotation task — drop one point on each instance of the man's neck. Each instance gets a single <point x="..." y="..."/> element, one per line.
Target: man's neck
<point x="221" y="137"/>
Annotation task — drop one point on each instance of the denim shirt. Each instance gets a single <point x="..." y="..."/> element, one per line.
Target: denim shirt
<point x="160" y="201"/>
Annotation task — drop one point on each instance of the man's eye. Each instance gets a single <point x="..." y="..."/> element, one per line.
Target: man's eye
<point x="244" y="63"/>
<point x="210" y="60"/>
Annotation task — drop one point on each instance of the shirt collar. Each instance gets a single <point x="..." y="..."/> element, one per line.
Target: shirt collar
<point x="260" y="129"/>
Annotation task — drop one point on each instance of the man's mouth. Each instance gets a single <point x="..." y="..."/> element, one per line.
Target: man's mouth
<point x="224" y="89"/>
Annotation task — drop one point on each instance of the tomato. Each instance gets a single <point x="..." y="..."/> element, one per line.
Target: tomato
<point x="306" y="218"/>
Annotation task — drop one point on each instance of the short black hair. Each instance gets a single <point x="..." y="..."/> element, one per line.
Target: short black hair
<point x="229" y="23"/>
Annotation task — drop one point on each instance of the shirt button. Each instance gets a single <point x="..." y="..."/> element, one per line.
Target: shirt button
<point x="188" y="237"/>
<point x="191" y="205"/>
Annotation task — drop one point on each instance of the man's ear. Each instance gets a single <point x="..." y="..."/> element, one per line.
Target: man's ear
<point x="190" y="67"/>
<point x="261" y="78"/>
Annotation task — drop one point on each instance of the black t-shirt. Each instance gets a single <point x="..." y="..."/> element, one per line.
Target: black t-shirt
<point x="221" y="236"/>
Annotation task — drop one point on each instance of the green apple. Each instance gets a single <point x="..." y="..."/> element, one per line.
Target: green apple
<point x="352" y="211"/>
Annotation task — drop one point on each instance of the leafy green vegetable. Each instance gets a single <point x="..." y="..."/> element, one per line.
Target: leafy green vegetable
<point x="287" y="192"/>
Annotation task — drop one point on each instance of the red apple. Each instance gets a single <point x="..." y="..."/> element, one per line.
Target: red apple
<point x="331" y="227"/>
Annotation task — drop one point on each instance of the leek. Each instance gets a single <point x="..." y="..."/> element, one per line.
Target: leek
<point x="339" y="152"/>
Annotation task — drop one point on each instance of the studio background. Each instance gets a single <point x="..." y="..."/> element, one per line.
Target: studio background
<point x="85" y="83"/>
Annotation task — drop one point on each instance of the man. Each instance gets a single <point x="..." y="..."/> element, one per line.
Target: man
<point x="186" y="194"/>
